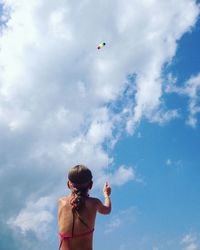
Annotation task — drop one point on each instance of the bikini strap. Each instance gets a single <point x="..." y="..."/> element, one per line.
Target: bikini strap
<point x="83" y="222"/>
<point x="73" y="224"/>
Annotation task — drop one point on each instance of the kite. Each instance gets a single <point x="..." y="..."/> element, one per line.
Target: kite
<point x="101" y="45"/>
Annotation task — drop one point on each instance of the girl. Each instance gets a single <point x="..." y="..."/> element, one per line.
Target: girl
<point x="77" y="212"/>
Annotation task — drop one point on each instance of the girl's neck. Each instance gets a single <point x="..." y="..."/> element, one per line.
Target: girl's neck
<point x="83" y="195"/>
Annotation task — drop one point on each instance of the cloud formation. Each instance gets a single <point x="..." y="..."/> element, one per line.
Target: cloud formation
<point x="123" y="217"/>
<point x="63" y="102"/>
<point x="190" y="89"/>
<point x="189" y="242"/>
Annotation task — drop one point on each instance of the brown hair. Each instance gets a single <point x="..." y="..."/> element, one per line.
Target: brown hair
<point x="81" y="178"/>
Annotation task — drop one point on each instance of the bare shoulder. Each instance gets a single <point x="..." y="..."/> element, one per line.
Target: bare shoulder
<point x="62" y="201"/>
<point x="94" y="201"/>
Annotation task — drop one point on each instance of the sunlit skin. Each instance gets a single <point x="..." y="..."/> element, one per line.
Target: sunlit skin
<point x="88" y="214"/>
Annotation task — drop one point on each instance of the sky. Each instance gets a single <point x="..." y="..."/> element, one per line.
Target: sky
<point x="129" y="111"/>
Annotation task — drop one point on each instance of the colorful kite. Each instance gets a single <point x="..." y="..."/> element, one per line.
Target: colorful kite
<point x="101" y="45"/>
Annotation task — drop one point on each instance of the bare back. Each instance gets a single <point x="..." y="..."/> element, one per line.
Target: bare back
<point x="65" y="222"/>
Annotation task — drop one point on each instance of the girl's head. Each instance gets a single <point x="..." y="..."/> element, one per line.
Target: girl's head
<point x="80" y="175"/>
<point x="80" y="181"/>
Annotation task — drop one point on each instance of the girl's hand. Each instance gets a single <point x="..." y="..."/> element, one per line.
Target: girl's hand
<point x="106" y="189"/>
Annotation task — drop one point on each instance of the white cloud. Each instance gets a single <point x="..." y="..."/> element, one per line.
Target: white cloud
<point x="100" y="128"/>
<point x="170" y="162"/>
<point x="191" y="89"/>
<point x="36" y="217"/>
<point x="122" y="175"/>
<point x="56" y="89"/>
<point x="189" y="242"/>
<point x="121" y="218"/>
<point x="163" y="117"/>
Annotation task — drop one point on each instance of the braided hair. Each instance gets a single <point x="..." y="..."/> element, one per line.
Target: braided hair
<point x="80" y="177"/>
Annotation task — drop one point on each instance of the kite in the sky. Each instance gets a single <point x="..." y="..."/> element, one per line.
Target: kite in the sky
<point x="101" y="45"/>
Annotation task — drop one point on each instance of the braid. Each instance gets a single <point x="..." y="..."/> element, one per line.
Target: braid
<point x="80" y="178"/>
<point x="78" y="198"/>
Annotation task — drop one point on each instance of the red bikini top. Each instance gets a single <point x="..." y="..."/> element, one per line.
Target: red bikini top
<point x="68" y="236"/>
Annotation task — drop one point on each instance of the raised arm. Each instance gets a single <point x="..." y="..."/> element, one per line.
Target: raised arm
<point x="106" y="207"/>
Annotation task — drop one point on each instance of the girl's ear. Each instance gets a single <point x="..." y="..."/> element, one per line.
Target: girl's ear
<point x="68" y="184"/>
<point x="90" y="185"/>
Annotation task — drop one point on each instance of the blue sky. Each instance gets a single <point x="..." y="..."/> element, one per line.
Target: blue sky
<point x="167" y="160"/>
<point x="63" y="102"/>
